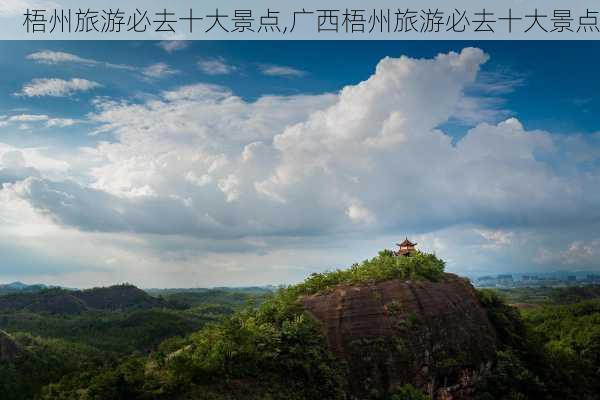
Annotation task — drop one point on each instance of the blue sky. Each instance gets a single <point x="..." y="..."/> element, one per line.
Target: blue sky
<point x="548" y="76"/>
<point x="554" y="71"/>
<point x="234" y="163"/>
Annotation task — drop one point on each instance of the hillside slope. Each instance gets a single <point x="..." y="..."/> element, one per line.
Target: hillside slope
<point x="9" y="349"/>
<point x="62" y="301"/>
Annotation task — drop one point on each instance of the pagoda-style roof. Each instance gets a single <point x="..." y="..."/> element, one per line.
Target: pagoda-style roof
<point x="406" y="243"/>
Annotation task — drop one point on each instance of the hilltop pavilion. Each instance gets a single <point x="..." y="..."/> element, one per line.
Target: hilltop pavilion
<point x="406" y="248"/>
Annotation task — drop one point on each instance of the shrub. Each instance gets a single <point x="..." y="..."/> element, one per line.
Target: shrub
<point x="385" y="266"/>
<point x="408" y="392"/>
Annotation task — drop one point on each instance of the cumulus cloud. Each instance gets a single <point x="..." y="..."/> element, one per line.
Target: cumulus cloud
<point x="55" y="87"/>
<point x="371" y="153"/>
<point x="171" y="46"/>
<point x="13" y="167"/>
<point x="199" y="162"/>
<point x="20" y="163"/>
<point x="216" y="66"/>
<point x="158" y="70"/>
<point x="281" y="70"/>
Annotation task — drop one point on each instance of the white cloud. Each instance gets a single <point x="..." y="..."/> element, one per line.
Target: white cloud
<point x="200" y="162"/>
<point x="57" y="57"/>
<point x="495" y="239"/>
<point x="56" y="87"/>
<point x="49" y="121"/>
<point x="216" y="66"/>
<point x="360" y="155"/>
<point x="472" y="110"/>
<point x="579" y="253"/>
<point x="60" y="122"/>
<point x="281" y="70"/>
<point x="230" y="187"/>
<point x="51" y="57"/>
<point x="34" y="159"/>
<point x="158" y="70"/>
<point x="171" y="46"/>
<point x="360" y="214"/>
<point x="28" y="118"/>
<point x="198" y="92"/>
<point x="499" y="82"/>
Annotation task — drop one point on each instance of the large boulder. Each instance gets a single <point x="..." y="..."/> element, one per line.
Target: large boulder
<point x="434" y="335"/>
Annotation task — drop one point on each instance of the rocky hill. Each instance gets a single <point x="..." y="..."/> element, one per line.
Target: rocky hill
<point x="435" y="335"/>
<point x="118" y="297"/>
<point x="62" y="301"/>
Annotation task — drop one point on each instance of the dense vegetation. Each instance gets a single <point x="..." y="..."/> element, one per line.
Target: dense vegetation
<point x="63" y="301"/>
<point x="271" y="351"/>
<point x="222" y="344"/>
<point x="268" y="350"/>
<point x="419" y="266"/>
<point x="550" y="352"/>
<point x="213" y="297"/>
<point x="111" y="335"/>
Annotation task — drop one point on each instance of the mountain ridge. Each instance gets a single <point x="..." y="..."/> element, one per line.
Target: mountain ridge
<point x="64" y="301"/>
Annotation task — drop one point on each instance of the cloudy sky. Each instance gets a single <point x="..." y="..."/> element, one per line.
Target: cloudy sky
<point x="238" y="163"/>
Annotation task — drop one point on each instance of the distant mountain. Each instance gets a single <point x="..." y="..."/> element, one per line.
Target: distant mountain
<point x="548" y="275"/>
<point x="16" y="285"/>
<point x="214" y="297"/>
<point x="63" y="301"/>
<point x="250" y="290"/>
<point x="20" y="287"/>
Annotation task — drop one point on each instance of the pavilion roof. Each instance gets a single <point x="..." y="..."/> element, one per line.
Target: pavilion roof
<point x="406" y="242"/>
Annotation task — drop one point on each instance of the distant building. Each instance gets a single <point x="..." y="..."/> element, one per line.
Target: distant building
<point x="571" y="278"/>
<point x="526" y="277"/>
<point x="593" y="278"/>
<point x="406" y="248"/>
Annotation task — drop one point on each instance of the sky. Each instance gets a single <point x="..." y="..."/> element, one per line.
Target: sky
<point x="198" y="164"/>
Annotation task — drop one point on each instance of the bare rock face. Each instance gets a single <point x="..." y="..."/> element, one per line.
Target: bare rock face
<point x="434" y="335"/>
<point x="9" y="349"/>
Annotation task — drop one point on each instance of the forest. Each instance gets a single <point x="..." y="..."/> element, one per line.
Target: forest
<point x="124" y="343"/>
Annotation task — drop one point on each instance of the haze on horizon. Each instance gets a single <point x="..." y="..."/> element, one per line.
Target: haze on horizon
<point x="176" y="164"/>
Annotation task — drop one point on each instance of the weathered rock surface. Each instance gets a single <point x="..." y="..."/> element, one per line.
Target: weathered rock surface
<point x="9" y="349"/>
<point x="434" y="335"/>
